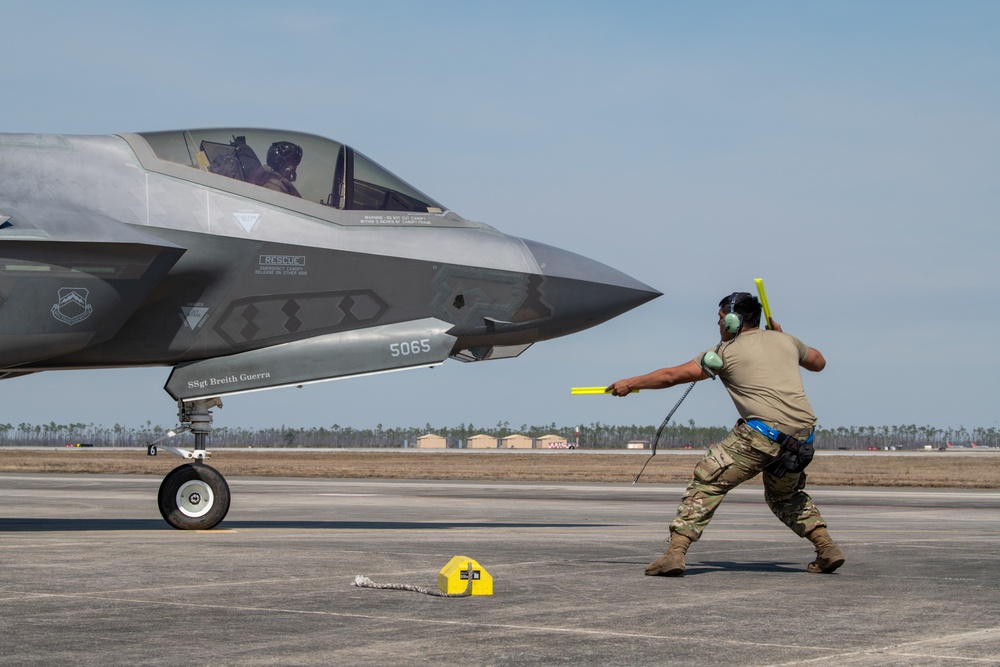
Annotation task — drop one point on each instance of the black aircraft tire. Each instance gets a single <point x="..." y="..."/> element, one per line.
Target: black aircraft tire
<point x="194" y="496"/>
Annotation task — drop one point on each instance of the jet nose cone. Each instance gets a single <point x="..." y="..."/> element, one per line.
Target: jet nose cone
<point x="582" y="292"/>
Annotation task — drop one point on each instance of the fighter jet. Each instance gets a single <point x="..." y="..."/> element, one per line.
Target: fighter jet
<point x="251" y="259"/>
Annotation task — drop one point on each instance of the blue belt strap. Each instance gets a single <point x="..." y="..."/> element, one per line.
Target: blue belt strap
<point x="773" y="434"/>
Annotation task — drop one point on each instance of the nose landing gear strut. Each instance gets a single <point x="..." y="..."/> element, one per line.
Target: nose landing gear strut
<point x="193" y="496"/>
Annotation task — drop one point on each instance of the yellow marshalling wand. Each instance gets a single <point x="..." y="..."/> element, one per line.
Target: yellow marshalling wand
<point x="582" y="391"/>
<point x="763" y="301"/>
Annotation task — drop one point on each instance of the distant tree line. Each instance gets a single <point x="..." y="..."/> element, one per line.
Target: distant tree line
<point x="593" y="436"/>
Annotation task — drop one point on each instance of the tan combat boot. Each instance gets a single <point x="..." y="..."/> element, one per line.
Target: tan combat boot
<point x="828" y="555"/>
<point x="671" y="563"/>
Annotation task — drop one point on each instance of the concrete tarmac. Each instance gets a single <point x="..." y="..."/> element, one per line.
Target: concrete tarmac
<point x="92" y="576"/>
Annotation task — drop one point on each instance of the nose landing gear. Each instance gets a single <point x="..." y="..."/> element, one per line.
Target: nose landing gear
<point x="193" y="496"/>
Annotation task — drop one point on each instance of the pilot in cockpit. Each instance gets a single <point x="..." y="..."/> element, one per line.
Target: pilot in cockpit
<point x="283" y="157"/>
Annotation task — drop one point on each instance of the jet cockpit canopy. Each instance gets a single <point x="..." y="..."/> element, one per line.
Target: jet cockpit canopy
<point x="297" y="164"/>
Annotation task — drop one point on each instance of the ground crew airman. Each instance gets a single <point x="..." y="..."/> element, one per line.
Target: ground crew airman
<point x="774" y="435"/>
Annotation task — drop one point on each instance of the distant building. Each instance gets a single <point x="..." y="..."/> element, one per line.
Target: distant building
<point x="516" y="442"/>
<point x="432" y="441"/>
<point x="481" y="441"/>
<point x="637" y="444"/>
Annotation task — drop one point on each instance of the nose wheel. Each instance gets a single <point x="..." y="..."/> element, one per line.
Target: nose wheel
<point x="194" y="496"/>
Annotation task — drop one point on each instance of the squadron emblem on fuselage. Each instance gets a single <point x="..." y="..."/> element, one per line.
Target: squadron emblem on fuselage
<point x="72" y="307"/>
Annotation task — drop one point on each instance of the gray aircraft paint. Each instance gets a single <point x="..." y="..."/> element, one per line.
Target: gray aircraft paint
<point x="115" y="252"/>
<point x="113" y="257"/>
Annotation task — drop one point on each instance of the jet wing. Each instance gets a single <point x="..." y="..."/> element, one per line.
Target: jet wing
<point x="69" y="284"/>
<point x="415" y="344"/>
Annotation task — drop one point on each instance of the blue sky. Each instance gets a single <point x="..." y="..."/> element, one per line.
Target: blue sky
<point x="845" y="152"/>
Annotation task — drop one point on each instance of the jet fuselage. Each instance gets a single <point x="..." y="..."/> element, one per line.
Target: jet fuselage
<point x="159" y="249"/>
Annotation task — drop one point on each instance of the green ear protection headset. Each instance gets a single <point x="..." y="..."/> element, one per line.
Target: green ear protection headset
<point x="732" y="322"/>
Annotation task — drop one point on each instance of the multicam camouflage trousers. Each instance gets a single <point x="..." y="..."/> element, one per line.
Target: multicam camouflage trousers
<point x="741" y="456"/>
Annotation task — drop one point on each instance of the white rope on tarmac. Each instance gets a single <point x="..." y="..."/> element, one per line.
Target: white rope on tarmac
<point x="364" y="582"/>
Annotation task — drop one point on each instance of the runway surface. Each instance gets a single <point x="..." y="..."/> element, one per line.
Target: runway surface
<point x="92" y="575"/>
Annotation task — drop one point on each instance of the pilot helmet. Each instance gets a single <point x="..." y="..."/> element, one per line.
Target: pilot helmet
<point x="284" y="157"/>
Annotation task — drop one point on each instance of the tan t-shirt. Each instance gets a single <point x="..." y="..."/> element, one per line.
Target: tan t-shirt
<point x="761" y="372"/>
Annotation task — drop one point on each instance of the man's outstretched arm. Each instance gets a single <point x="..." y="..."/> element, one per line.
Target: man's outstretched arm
<point x="660" y="379"/>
